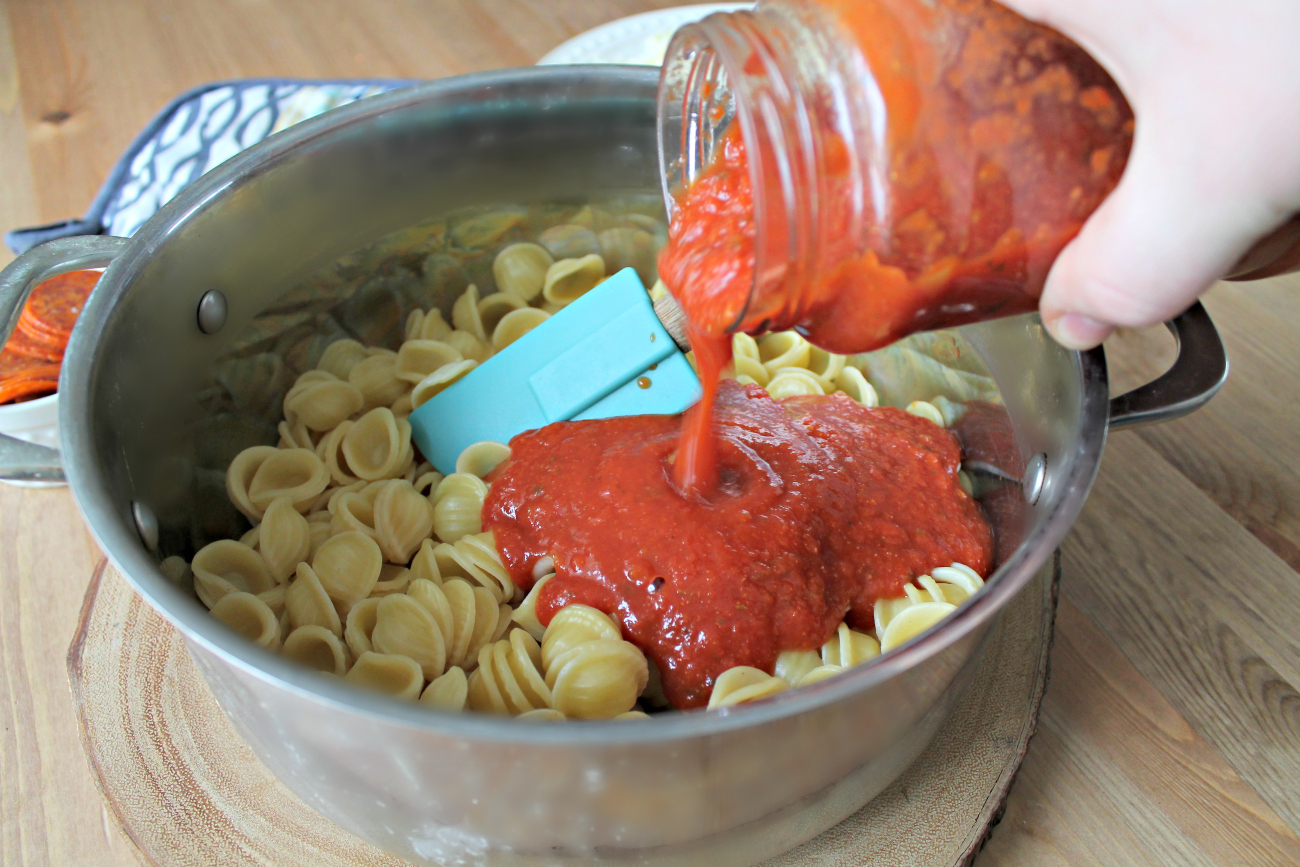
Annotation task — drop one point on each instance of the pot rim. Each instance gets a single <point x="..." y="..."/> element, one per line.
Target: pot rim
<point x="111" y="524"/>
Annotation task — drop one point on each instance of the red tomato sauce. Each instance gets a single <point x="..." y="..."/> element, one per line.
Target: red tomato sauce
<point x="822" y="506"/>
<point x="1001" y="138"/>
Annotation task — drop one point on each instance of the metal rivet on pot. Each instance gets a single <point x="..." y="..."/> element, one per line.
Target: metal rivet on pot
<point x="146" y="524"/>
<point x="1035" y="475"/>
<point x="212" y="311"/>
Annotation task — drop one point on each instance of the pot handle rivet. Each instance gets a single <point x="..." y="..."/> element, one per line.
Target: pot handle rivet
<point x="146" y="524"/>
<point x="1035" y="475"/>
<point x="212" y="311"/>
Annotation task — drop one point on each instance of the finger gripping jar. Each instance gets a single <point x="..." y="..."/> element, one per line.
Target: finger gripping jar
<point x="857" y="170"/>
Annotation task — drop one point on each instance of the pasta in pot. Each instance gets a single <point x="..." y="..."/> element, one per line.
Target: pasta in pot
<point x="284" y="538"/>
<point x="448" y="691"/>
<point x="389" y="673"/>
<point x="320" y="400"/>
<point x="402" y="520"/>
<point x="341" y="356"/>
<point x="294" y="473"/>
<point x="458" y="506"/>
<point x="318" y="649"/>
<point x="378" y="445"/>
<point x="509" y="679"/>
<point x="419" y="358"/>
<point x="365" y="563"/>
<point x="404" y="626"/>
<point x="307" y="603"/>
<point x="520" y="269"/>
<point x="250" y="617"/>
<point x="743" y="684"/>
<point x="569" y="279"/>
<point x="348" y="566"/>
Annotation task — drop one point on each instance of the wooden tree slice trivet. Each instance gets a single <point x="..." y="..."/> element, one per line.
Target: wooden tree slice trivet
<point x="187" y="791"/>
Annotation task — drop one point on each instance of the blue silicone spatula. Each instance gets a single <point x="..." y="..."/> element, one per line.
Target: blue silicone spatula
<point x="607" y="354"/>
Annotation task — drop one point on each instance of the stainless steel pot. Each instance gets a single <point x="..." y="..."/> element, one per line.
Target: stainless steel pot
<point x="716" y="788"/>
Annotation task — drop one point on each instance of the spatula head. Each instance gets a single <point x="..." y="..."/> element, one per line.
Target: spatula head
<point x="602" y="356"/>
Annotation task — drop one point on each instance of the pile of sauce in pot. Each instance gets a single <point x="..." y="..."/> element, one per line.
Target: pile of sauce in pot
<point x="822" y="507"/>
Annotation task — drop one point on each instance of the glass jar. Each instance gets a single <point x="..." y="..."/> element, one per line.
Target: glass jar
<point x="858" y="170"/>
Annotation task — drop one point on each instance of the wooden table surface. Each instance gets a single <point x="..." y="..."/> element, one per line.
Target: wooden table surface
<point x="1171" y="729"/>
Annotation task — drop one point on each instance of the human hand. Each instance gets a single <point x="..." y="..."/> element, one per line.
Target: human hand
<point x="1215" y="88"/>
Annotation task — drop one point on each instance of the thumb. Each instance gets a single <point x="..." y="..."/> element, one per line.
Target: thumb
<point x="1165" y="233"/>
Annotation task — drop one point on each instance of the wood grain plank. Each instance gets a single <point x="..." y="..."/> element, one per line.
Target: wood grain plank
<point x="1192" y="599"/>
<point x="94" y="73"/>
<point x="1116" y="771"/>
<point x="1241" y="448"/>
<point x="49" y="808"/>
<point x="17" y="194"/>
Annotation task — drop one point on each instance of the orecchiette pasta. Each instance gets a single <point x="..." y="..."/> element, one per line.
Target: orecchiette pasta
<point x="494" y="308"/>
<point x="925" y="409"/>
<point x="227" y="566"/>
<point x="851" y="381"/>
<point x="295" y="473"/>
<point x="250" y="617"/>
<point x="596" y="679"/>
<point x="426" y="326"/>
<point x="520" y="269"/>
<point x="457" y="506"/>
<point x="744" y="684"/>
<point x="348" y="566"/>
<point x="928" y="600"/>
<point x="569" y="241"/>
<point x="569" y="279"/>
<point x="307" y="604"/>
<point x="284" y="538"/>
<point x="783" y="349"/>
<point x="515" y="325"/>
<point x="378" y="445"/>
<point x="440" y="380"/>
<point x="402" y="520"/>
<point x="791" y="381"/>
<point x="377" y="380"/>
<point x="419" y="358"/>
<point x="295" y="436"/>
<point x="318" y="649"/>
<point x="468" y="617"/>
<point x="320" y="400"/>
<point x="525" y="616"/>
<point x="474" y="557"/>
<point x="448" y="691"/>
<point x="406" y="627"/>
<point x="361" y="625"/>
<point x="509" y="679"/>
<point x="465" y="315"/>
<point x="481" y="458"/>
<point x="340" y="357"/>
<point x="469" y="345"/>
<point x="389" y="673"/>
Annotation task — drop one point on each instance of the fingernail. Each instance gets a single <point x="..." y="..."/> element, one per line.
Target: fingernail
<point x="1077" y="331"/>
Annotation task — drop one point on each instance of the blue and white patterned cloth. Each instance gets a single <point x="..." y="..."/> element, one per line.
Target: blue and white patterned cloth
<point x="194" y="133"/>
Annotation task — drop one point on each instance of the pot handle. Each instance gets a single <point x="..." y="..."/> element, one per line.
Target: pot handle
<point x="1197" y="374"/>
<point x="21" y="460"/>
